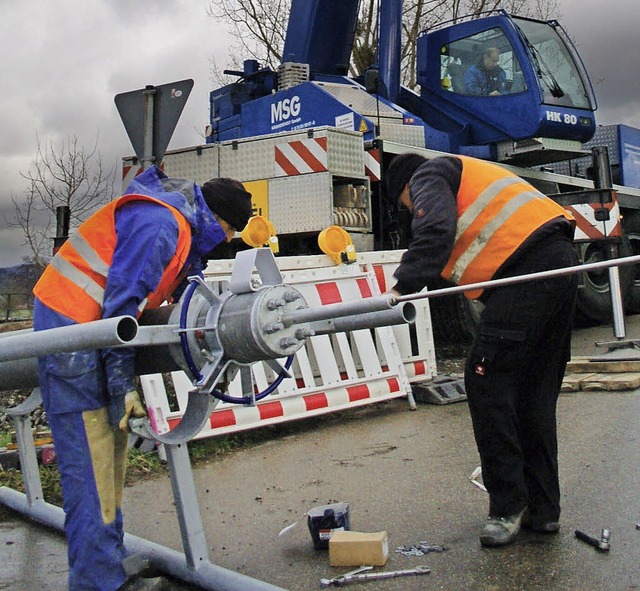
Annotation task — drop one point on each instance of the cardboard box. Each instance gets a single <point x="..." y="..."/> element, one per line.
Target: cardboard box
<point x="352" y="548"/>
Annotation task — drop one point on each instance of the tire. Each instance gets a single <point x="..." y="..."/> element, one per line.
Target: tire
<point x="594" y="295"/>
<point x="631" y="229"/>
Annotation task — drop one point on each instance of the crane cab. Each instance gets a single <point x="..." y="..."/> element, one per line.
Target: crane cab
<point x="500" y="79"/>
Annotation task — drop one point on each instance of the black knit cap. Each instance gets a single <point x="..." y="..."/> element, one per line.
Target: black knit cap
<point x="399" y="173"/>
<point x="230" y="200"/>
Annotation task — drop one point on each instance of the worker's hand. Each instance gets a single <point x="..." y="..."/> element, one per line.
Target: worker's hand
<point x="122" y="408"/>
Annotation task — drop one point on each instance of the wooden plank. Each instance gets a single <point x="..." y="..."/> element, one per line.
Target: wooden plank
<point x="572" y="382"/>
<point x="583" y="365"/>
<point x="611" y="382"/>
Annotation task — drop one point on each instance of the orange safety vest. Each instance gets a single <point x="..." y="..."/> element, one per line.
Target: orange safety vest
<point x="497" y="212"/>
<point x="73" y="283"/>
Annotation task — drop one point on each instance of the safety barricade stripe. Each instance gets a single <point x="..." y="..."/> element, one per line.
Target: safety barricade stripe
<point x="372" y="166"/>
<point x="589" y="228"/>
<point x="239" y="418"/>
<point x="301" y="157"/>
<point x="329" y="293"/>
<point x="129" y="173"/>
<point x="382" y="282"/>
<point x="315" y="401"/>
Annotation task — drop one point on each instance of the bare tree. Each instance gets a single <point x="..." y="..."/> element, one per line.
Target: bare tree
<point x="63" y="175"/>
<point x="259" y="27"/>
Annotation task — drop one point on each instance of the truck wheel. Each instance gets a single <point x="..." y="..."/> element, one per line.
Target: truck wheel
<point x="631" y="229"/>
<point x="594" y="294"/>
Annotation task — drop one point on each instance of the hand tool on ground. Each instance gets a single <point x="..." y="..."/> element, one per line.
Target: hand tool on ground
<point x="602" y="544"/>
<point x="358" y="576"/>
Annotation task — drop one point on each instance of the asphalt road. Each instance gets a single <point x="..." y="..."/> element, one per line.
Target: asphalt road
<point x="406" y="472"/>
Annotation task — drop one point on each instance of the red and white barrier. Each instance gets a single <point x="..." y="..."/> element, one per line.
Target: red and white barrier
<point x="331" y="372"/>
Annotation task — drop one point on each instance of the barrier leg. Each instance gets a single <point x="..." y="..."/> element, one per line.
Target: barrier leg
<point x="20" y="415"/>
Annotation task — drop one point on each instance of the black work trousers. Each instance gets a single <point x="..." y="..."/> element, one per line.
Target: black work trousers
<point x="513" y="376"/>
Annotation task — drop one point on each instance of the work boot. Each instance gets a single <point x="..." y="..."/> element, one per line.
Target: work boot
<point x="500" y="531"/>
<point x="542" y="527"/>
<point x="146" y="584"/>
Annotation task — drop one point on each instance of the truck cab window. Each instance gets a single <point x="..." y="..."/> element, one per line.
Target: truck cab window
<point x="558" y="72"/>
<point x="483" y="64"/>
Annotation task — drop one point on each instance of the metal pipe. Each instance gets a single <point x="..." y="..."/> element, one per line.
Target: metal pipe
<point x="22" y="373"/>
<point x="99" y="334"/>
<point x="619" y="328"/>
<point x="401" y="314"/>
<point x="149" y="126"/>
<point x="63" y="214"/>
<point x="601" y="167"/>
<point x="519" y="279"/>
<point x="379" y="303"/>
<point x="602" y="180"/>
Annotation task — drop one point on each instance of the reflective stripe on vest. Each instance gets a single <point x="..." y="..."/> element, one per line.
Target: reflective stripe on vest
<point x="73" y="284"/>
<point x="497" y="212"/>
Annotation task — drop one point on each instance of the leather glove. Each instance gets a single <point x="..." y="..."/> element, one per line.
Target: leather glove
<point x="121" y="409"/>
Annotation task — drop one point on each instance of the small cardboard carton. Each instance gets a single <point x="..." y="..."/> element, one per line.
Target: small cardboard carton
<point x="352" y="548"/>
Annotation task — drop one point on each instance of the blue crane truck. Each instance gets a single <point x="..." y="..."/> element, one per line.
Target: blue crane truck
<point x="312" y="142"/>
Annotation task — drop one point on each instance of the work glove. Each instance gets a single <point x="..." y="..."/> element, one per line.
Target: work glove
<point x="122" y="407"/>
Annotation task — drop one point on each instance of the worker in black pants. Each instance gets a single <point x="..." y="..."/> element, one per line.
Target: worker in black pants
<point x="473" y="221"/>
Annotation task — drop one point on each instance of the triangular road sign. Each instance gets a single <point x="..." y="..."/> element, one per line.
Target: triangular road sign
<point x="167" y="101"/>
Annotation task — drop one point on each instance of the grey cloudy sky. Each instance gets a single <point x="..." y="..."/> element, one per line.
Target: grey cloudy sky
<point x="63" y="62"/>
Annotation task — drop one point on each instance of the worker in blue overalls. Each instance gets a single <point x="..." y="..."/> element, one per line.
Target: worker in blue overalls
<point x="132" y="254"/>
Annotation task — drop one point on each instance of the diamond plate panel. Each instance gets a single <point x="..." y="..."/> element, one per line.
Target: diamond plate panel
<point x="301" y="203"/>
<point x="410" y="135"/>
<point x="605" y="135"/>
<point x="199" y="163"/>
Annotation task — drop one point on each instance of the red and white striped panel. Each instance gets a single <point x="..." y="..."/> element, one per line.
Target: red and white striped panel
<point x="589" y="228"/>
<point x="372" y="169"/>
<point x="301" y="157"/>
<point x="233" y="418"/>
